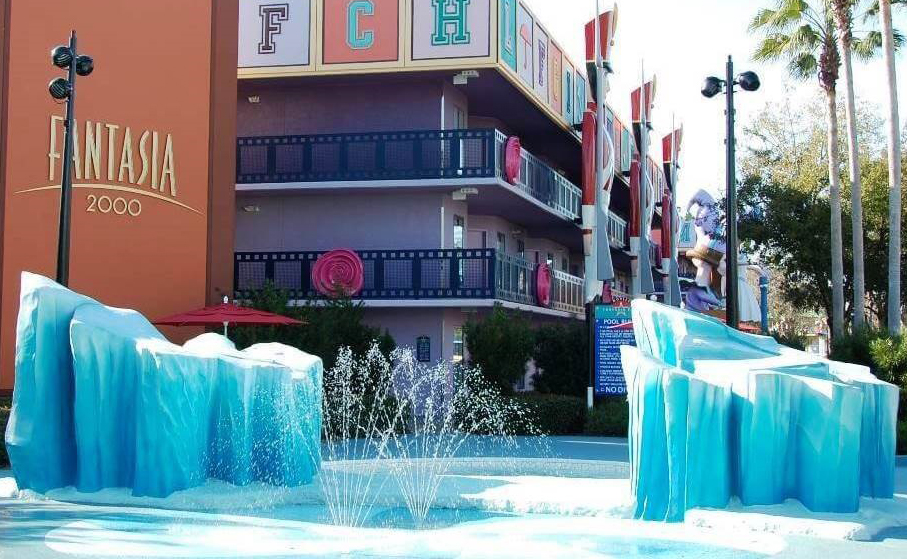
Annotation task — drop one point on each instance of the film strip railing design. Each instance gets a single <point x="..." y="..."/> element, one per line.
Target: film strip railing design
<point x="405" y="155"/>
<point x="412" y="274"/>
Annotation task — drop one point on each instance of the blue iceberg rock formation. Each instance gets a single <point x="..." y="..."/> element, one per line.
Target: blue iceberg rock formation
<point x="716" y="413"/>
<point x="102" y="399"/>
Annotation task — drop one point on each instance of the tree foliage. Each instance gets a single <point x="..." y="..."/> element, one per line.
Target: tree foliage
<point x="784" y="205"/>
<point x="561" y="357"/>
<point x="329" y="326"/>
<point x="500" y="344"/>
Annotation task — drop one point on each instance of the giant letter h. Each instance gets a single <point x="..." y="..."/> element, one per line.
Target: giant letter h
<point x="450" y="23"/>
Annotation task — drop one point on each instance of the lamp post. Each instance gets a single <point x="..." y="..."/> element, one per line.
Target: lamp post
<point x="67" y="58"/>
<point x="748" y="81"/>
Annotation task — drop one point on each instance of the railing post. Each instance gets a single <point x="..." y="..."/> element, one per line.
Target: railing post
<point x="238" y="161"/>
<point x="305" y="274"/>
<point x="272" y="160"/>
<point x="417" y="274"/>
<point x="236" y="289"/>
<point x="454" y="145"/>
<point x="269" y="267"/>
<point x="380" y="155"/>
<point x="306" y="157"/>
<point x="494" y="155"/>
<point x="417" y="154"/>
<point x="454" y="271"/>
<point x="343" y="165"/>
<point x="491" y="262"/>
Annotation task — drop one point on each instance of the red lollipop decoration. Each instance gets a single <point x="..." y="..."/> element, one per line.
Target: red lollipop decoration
<point x="543" y="285"/>
<point x="338" y="273"/>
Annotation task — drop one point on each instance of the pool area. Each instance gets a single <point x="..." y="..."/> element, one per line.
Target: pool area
<point x="65" y="530"/>
<point x="564" y="497"/>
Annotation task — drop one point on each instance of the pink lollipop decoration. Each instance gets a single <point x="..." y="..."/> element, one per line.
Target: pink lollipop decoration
<point x="337" y="273"/>
<point x="512" y="151"/>
<point x="543" y="285"/>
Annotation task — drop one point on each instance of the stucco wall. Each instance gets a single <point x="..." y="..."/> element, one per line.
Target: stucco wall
<point x="328" y="221"/>
<point x="405" y="325"/>
<point x="454" y="99"/>
<point x="494" y="225"/>
<point x="296" y="107"/>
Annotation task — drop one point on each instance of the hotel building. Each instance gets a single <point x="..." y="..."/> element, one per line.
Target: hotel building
<point x="389" y="127"/>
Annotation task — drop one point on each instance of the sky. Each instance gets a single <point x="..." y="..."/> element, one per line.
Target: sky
<point x="684" y="41"/>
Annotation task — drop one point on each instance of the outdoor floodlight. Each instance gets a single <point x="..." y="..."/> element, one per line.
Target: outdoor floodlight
<point x="85" y="65"/>
<point x="712" y="86"/>
<point x="64" y="89"/>
<point x="59" y="88"/>
<point x="61" y="56"/>
<point x="749" y="81"/>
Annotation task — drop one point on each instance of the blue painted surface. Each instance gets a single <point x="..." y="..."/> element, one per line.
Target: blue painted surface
<point x="613" y="328"/>
<point x="103" y="400"/>
<point x="716" y="413"/>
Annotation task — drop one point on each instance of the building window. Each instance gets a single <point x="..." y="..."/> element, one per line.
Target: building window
<point x="502" y="243"/>
<point x="459" y="118"/>
<point x="564" y="264"/>
<point x="459" y="229"/>
<point x="521" y="249"/>
<point x="458" y="345"/>
<point x="550" y="260"/>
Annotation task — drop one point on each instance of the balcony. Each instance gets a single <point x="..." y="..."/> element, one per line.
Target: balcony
<point x="431" y="274"/>
<point x="399" y="156"/>
<point x="617" y="231"/>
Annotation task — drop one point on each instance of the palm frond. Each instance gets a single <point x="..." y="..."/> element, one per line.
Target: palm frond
<point x="803" y="66"/>
<point x="867" y="47"/>
<point x="787" y="14"/>
<point x="873" y="10"/>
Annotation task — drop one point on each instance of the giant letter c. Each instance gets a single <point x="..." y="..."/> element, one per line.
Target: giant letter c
<point x="356" y="39"/>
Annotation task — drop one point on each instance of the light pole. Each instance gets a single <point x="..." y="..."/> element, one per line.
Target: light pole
<point x="748" y="81"/>
<point x="67" y="58"/>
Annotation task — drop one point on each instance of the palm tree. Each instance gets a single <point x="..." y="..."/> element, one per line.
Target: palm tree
<point x="847" y="45"/>
<point x="802" y="33"/>
<point x="894" y="171"/>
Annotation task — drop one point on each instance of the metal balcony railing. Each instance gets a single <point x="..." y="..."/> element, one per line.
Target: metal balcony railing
<point x="617" y="231"/>
<point x="413" y="274"/>
<point x="377" y="156"/>
<point x="541" y="181"/>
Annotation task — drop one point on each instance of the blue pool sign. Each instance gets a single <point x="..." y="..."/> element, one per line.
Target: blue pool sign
<point x="613" y="328"/>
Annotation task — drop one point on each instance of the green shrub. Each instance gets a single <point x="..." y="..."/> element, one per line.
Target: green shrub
<point x="885" y="355"/>
<point x="561" y="356"/>
<point x="854" y="347"/>
<point x="553" y="414"/>
<point x="889" y="357"/>
<point x="902" y="436"/>
<point x="609" y="418"/>
<point x="5" y="409"/>
<point x="329" y="325"/>
<point x="500" y="344"/>
<point x="793" y="340"/>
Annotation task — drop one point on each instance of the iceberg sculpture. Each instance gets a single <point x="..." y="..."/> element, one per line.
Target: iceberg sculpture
<point x="102" y="399"/>
<point x="716" y="413"/>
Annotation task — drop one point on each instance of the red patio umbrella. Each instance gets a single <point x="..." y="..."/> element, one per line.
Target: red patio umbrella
<point x="226" y="314"/>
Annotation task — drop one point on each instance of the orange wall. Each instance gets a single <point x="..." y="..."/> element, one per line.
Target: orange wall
<point x="155" y="63"/>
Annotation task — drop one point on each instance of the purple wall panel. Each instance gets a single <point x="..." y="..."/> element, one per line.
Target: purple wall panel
<point x="336" y="108"/>
<point x="343" y="220"/>
<point x="405" y="325"/>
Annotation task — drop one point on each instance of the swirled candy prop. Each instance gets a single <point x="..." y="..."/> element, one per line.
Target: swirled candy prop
<point x="338" y="273"/>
